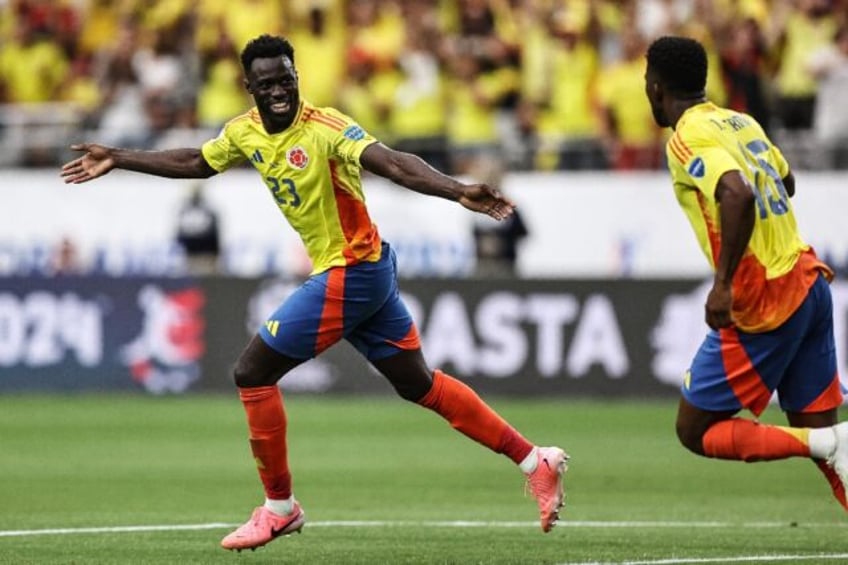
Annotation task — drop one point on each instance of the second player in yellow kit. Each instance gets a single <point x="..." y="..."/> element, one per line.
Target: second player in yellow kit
<point x="778" y="267"/>
<point x="769" y="310"/>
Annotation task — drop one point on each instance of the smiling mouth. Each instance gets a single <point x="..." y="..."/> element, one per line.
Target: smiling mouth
<point x="280" y="107"/>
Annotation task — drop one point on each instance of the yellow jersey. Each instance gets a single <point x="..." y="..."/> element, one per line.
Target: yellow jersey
<point x="778" y="266"/>
<point x="312" y="170"/>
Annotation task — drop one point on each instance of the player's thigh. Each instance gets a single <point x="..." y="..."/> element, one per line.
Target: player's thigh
<point x="733" y="370"/>
<point x="388" y="329"/>
<point x="260" y="365"/>
<point x="310" y="319"/>
<point x="811" y="383"/>
<point x="387" y="332"/>
<point x="330" y="306"/>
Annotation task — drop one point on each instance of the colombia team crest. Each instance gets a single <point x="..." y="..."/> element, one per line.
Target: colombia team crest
<point x="297" y="157"/>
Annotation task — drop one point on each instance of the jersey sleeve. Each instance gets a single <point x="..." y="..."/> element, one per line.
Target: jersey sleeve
<point x="351" y="140"/>
<point x="702" y="159"/>
<point x="221" y="152"/>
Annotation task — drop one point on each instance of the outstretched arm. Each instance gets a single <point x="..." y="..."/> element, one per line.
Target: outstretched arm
<point x="412" y="172"/>
<point x="100" y="159"/>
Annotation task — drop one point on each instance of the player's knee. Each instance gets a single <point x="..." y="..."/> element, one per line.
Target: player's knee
<point x="240" y="376"/>
<point x="690" y="437"/>
<point x="413" y="391"/>
<point x="408" y="374"/>
<point x="245" y="376"/>
<point x="413" y="385"/>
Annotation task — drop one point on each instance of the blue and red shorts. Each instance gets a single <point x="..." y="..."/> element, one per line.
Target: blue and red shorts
<point x="360" y="303"/>
<point x="733" y="369"/>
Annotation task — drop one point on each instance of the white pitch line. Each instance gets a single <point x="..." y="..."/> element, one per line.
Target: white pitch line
<point x="737" y="559"/>
<point x="113" y="529"/>
<point x="420" y="524"/>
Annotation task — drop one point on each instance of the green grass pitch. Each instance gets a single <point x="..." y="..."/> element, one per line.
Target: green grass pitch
<point x="383" y="482"/>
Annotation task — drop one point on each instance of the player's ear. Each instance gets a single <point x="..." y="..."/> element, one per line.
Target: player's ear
<point x="656" y="90"/>
<point x="247" y="86"/>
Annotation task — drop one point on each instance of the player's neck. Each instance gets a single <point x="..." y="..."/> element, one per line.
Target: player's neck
<point x="680" y="105"/>
<point x="276" y="126"/>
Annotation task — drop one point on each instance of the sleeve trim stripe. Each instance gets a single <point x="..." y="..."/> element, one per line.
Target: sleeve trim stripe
<point x="333" y="119"/>
<point x="680" y="149"/>
<point x="678" y="141"/>
<point x="240" y="118"/>
<point x="326" y="122"/>
<point x="676" y="152"/>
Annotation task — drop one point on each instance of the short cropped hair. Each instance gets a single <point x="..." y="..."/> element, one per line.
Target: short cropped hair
<point x="680" y="63"/>
<point x="266" y="46"/>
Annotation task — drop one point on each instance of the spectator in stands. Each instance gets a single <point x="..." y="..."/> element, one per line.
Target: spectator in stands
<point x="166" y="75"/>
<point x="32" y="65"/>
<point x="221" y="94"/>
<point x="366" y="94"/>
<point x="562" y="112"/>
<point x="496" y="243"/>
<point x="100" y="23"/>
<point x="66" y="259"/>
<point x="198" y="233"/>
<point x="375" y="27"/>
<point x="81" y="90"/>
<point x="524" y="49"/>
<point x="123" y="119"/>
<point x="653" y="18"/>
<point x="801" y="32"/>
<point x="707" y="26"/>
<point x="473" y="98"/>
<point x="630" y="134"/>
<point x="243" y="19"/>
<point x="416" y="109"/>
<point x="532" y="22"/>
<point x="743" y="63"/>
<point x="484" y="29"/>
<point x="830" y="67"/>
<point x="325" y="44"/>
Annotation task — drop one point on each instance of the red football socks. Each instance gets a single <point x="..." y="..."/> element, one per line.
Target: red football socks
<point x="266" y="419"/>
<point x="746" y="440"/>
<point x="466" y="412"/>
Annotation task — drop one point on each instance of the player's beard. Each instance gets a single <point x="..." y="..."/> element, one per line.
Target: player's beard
<point x="281" y="117"/>
<point x="659" y="116"/>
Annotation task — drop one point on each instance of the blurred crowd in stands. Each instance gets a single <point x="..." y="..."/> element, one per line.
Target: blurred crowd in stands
<point x="541" y="84"/>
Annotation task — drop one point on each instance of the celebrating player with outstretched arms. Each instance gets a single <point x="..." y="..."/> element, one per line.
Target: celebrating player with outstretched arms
<point x="310" y="160"/>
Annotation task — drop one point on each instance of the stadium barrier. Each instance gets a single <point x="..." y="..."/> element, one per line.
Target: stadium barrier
<point x="611" y="338"/>
<point x="582" y="225"/>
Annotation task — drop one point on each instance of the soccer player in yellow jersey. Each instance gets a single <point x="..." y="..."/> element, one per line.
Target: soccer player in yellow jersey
<point x="770" y="309"/>
<point x="310" y="159"/>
